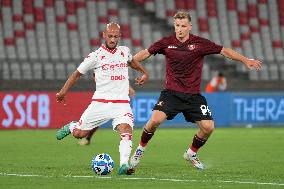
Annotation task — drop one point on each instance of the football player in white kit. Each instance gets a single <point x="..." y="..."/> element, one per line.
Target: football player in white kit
<point x="87" y="140"/>
<point x="110" y="100"/>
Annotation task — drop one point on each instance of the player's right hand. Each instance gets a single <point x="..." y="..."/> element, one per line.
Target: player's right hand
<point x="60" y="97"/>
<point x="141" y="80"/>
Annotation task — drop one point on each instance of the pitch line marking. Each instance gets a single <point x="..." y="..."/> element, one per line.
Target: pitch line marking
<point x="147" y="178"/>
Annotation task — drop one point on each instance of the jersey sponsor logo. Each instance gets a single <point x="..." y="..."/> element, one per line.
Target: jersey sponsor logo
<point x="172" y="47"/>
<point x="191" y="47"/>
<point x="122" y="54"/>
<point x="114" y="66"/>
<point x="205" y="110"/>
<point x="102" y="57"/>
<point x="117" y="77"/>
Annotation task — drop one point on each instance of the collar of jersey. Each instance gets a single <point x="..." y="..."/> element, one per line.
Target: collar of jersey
<point x="108" y="50"/>
<point x="185" y="42"/>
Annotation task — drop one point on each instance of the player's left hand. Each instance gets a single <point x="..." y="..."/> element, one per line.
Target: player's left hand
<point x="252" y="63"/>
<point x="141" y="80"/>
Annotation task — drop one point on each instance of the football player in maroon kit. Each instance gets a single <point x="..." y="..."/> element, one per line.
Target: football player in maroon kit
<point x="184" y="54"/>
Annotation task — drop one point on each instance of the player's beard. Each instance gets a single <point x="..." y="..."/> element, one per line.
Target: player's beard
<point x="111" y="48"/>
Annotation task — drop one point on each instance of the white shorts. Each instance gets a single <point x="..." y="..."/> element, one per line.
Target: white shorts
<point x="99" y="113"/>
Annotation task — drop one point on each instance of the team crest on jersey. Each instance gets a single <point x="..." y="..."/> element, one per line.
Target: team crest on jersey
<point x="191" y="47"/>
<point x="160" y="103"/>
<point x="122" y="54"/>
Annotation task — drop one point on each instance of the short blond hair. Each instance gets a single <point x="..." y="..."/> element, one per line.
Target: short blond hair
<point x="182" y="15"/>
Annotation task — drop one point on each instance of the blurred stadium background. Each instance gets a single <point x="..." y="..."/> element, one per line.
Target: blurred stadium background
<point x="43" y="41"/>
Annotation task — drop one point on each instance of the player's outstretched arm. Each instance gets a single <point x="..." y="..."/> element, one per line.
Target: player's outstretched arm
<point x="139" y="57"/>
<point x="250" y="63"/>
<point x="60" y="96"/>
<point x="142" y="55"/>
<point x="134" y="64"/>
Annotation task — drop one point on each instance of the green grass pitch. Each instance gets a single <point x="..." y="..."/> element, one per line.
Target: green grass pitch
<point x="234" y="158"/>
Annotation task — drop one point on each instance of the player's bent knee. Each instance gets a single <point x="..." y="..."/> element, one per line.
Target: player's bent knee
<point x="124" y="128"/>
<point x="154" y="123"/>
<point x="209" y="128"/>
<point x="151" y="126"/>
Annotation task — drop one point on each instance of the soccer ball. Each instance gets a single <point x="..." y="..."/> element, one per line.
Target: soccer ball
<point x="102" y="164"/>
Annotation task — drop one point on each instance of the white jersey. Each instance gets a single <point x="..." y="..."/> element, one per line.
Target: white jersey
<point x="111" y="72"/>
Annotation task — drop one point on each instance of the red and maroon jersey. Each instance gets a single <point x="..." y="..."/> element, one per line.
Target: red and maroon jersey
<point x="184" y="61"/>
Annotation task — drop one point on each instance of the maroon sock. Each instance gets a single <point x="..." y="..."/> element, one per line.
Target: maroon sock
<point x="197" y="143"/>
<point x="145" y="137"/>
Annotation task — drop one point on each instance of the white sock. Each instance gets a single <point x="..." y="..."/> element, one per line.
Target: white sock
<point x="72" y="126"/>
<point x="125" y="148"/>
<point x="190" y="152"/>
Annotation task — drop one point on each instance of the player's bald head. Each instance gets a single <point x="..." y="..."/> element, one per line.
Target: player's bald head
<point x="112" y="27"/>
<point x="112" y="35"/>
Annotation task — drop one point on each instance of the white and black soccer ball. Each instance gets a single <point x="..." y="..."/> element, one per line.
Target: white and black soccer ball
<point x="102" y="164"/>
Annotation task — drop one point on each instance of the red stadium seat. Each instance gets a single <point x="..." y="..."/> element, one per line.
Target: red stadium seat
<point x="137" y="42"/>
<point x="61" y="18"/>
<point x="28" y="6"/>
<point x="70" y="7"/>
<point x="252" y="10"/>
<point x="180" y="4"/>
<point x="95" y="42"/>
<point x="49" y="3"/>
<point x="9" y="41"/>
<point x="29" y="26"/>
<point x="231" y="5"/>
<point x="203" y="24"/>
<point x="277" y="44"/>
<point x="211" y="8"/>
<point x="191" y="4"/>
<point x="112" y="12"/>
<point x="20" y="33"/>
<point x="236" y="43"/>
<point x="126" y="31"/>
<point x="39" y="15"/>
<point x="17" y="18"/>
<point x="81" y="4"/>
<point x="6" y="3"/>
<point x="72" y="26"/>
